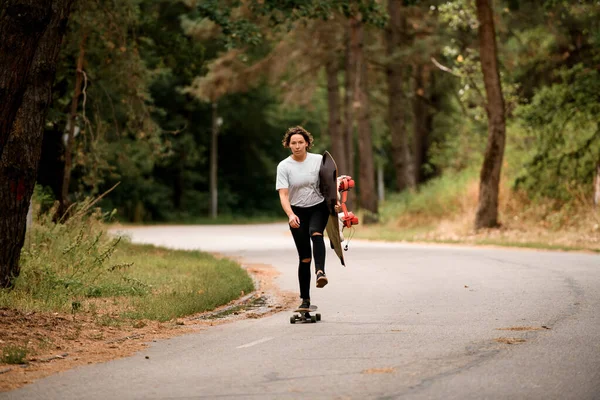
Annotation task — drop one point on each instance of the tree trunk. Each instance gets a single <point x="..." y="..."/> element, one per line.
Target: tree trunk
<point x="421" y="119"/>
<point x="22" y="24"/>
<point x="489" y="185"/>
<point x="64" y="196"/>
<point x="214" y="198"/>
<point x="349" y="102"/>
<point x="395" y="35"/>
<point x="597" y="186"/>
<point x="179" y="181"/>
<point x="19" y="161"/>
<point x="338" y="150"/>
<point x="368" y="193"/>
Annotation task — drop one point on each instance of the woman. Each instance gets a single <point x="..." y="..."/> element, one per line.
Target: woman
<point x="298" y="186"/>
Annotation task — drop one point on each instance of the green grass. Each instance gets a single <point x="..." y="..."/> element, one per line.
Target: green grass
<point x="390" y="233"/>
<point x="443" y="211"/>
<point x="13" y="354"/>
<point x="181" y="282"/>
<point x="435" y="199"/>
<point x="67" y="267"/>
<point x="534" y="245"/>
<point x="417" y="235"/>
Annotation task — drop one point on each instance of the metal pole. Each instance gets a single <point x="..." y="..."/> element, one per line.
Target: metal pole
<point x="213" y="162"/>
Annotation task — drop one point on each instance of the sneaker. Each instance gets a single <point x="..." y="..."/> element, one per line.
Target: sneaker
<point x="321" y="279"/>
<point x="305" y="306"/>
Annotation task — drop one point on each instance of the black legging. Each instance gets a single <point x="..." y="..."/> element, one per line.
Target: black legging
<point x="312" y="219"/>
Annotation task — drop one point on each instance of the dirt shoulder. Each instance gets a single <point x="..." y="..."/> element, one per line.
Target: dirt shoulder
<point x="57" y="342"/>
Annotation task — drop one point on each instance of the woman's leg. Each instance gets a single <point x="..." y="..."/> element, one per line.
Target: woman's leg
<point x="318" y="222"/>
<point x="302" y="241"/>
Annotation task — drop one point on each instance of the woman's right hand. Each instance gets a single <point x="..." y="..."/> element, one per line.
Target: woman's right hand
<point x="294" y="221"/>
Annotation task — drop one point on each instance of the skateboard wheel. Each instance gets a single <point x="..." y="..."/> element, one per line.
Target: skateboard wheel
<point x="313" y="318"/>
<point x="318" y="317"/>
<point x="292" y="320"/>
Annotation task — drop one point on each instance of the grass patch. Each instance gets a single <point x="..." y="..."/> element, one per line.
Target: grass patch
<point x="443" y="211"/>
<point x="76" y="266"/>
<point x="13" y="354"/>
<point x="437" y="199"/>
<point x="181" y="282"/>
<point x="536" y="245"/>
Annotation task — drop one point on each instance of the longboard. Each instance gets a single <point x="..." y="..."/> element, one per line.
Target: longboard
<point x="303" y="315"/>
<point x="328" y="184"/>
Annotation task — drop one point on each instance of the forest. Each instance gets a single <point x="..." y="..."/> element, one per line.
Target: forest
<point x="174" y="111"/>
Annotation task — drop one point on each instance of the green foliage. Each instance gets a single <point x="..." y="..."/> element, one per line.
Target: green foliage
<point x="116" y="104"/>
<point x="459" y="142"/>
<point x="141" y="127"/>
<point x="561" y="137"/>
<point x="13" y="354"/>
<point x="66" y="262"/>
<point x="281" y="10"/>
<point x="459" y="14"/>
<point x="182" y="282"/>
<point x="438" y="198"/>
<point x="68" y="266"/>
<point x="242" y="28"/>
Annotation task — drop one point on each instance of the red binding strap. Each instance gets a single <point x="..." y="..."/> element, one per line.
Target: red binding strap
<point x="346" y="183"/>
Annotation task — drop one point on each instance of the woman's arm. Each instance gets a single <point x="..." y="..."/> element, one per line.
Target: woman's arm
<point x="284" y="198"/>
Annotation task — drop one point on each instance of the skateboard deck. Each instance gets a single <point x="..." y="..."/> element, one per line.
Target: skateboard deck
<point x="328" y="185"/>
<point x="312" y="308"/>
<point x="303" y="315"/>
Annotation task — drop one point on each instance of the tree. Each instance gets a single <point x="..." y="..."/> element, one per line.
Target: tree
<point x="368" y="194"/>
<point x="489" y="181"/>
<point x="214" y="163"/>
<point x="335" y="120"/>
<point x="64" y="196"/>
<point x="243" y="31"/>
<point x="22" y="23"/>
<point x="422" y="117"/>
<point x="350" y="86"/>
<point x="21" y="151"/>
<point x="330" y="33"/>
<point x="395" y="35"/>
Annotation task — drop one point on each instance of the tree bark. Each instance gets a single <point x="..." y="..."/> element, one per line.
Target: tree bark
<point x="179" y="181"/>
<point x="368" y="193"/>
<point x="395" y="36"/>
<point x="421" y="119"/>
<point x="64" y="196"/>
<point x="597" y="186"/>
<point x="19" y="161"/>
<point x="349" y="102"/>
<point x="22" y="24"/>
<point x="338" y="150"/>
<point x="214" y="197"/>
<point x="489" y="185"/>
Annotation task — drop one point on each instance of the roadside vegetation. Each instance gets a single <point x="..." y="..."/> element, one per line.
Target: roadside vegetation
<point x="443" y="210"/>
<point x="74" y="266"/>
<point x="86" y="296"/>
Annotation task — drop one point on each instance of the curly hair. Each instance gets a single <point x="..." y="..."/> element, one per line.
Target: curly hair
<point x="297" y="130"/>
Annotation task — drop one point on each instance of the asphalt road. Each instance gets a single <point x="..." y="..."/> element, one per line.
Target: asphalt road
<point x="402" y="321"/>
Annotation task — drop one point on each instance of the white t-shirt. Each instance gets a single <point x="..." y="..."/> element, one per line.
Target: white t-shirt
<point x="301" y="179"/>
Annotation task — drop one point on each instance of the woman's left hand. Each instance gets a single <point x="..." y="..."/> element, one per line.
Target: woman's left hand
<point x="338" y="207"/>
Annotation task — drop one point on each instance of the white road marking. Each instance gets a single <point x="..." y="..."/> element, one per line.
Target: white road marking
<point x="255" y="342"/>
